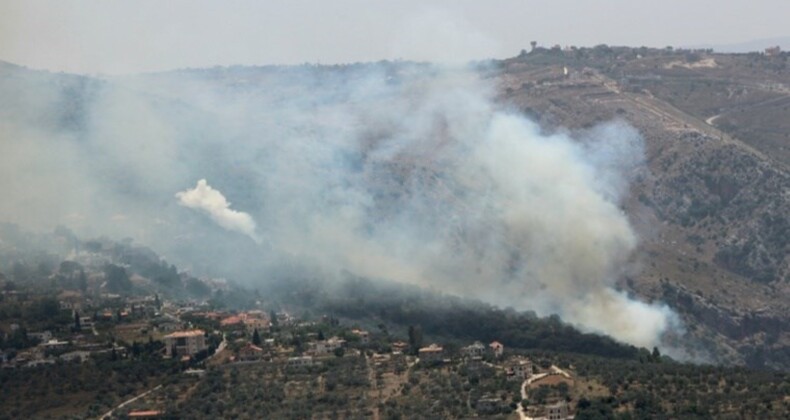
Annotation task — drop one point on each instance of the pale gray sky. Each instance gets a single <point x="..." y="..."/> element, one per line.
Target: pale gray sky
<point x="123" y="36"/>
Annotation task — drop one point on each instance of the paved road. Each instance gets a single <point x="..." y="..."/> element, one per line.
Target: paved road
<point x="129" y="401"/>
<point x="712" y="120"/>
<point x="555" y="369"/>
<point x="520" y="410"/>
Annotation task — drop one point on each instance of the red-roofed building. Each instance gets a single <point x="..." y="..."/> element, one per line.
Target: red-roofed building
<point x="252" y="321"/>
<point x="250" y="352"/>
<point x="231" y="320"/>
<point x="497" y="349"/>
<point x="209" y="315"/>
<point x="145" y="414"/>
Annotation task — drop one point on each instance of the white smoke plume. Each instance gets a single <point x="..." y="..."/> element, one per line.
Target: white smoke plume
<point x="402" y="171"/>
<point x="436" y="185"/>
<point x="214" y="204"/>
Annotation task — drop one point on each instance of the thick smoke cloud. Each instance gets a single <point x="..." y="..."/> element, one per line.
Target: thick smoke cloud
<point x="437" y="186"/>
<point x="214" y="204"/>
<point x="401" y="171"/>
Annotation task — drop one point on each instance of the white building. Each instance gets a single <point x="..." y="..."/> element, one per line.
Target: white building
<point x="54" y="344"/>
<point x="185" y="343"/>
<point x="475" y="350"/>
<point x="79" y="355"/>
<point x="519" y="369"/>
<point x="327" y="346"/>
<point x="86" y="322"/>
<point x="558" y="411"/>
<point x="300" y="361"/>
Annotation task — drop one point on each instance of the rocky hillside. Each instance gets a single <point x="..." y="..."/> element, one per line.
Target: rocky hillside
<point x="712" y="207"/>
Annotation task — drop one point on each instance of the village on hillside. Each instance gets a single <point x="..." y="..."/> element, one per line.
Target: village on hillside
<point x="113" y="331"/>
<point x="196" y="340"/>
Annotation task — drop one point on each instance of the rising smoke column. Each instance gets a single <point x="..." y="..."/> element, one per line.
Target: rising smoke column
<point x="413" y="173"/>
<point x="213" y="203"/>
<point x="428" y="181"/>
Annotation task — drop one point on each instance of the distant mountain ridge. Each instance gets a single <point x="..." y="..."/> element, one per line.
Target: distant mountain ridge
<point x="757" y="45"/>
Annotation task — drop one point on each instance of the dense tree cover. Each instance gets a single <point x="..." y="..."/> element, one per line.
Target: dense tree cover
<point x="448" y="316"/>
<point x="117" y="279"/>
<point x="40" y="314"/>
<point x="274" y="391"/>
<point x="71" y="275"/>
<point x="661" y="388"/>
<point x="353" y="387"/>
<point x="452" y="391"/>
<point x="197" y="288"/>
<point x="17" y="340"/>
<point x="85" y="389"/>
<point x="347" y="387"/>
<point x="43" y="309"/>
<point x="36" y="264"/>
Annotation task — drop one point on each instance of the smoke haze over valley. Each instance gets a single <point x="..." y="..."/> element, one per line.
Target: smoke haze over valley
<point x="441" y="209"/>
<point x="403" y="172"/>
<point x="638" y="193"/>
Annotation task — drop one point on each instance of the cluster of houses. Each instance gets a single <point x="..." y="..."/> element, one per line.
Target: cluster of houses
<point x="472" y="354"/>
<point x="111" y="317"/>
<point x="316" y="350"/>
<point x="250" y="338"/>
<point x="515" y="368"/>
<point x="98" y="325"/>
<point x="51" y="350"/>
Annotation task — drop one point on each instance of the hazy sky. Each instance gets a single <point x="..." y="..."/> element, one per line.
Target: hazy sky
<point x="121" y="36"/>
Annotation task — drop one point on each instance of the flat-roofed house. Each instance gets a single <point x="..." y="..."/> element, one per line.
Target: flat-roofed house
<point x="477" y="349"/>
<point x="518" y="369"/>
<point x="185" y="343"/>
<point x="558" y="411"/>
<point x="432" y="353"/>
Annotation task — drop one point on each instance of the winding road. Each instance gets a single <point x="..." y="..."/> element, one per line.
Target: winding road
<point x="520" y="409"/>
<point x="129" y="401"/>
<point x="712" y="120"/>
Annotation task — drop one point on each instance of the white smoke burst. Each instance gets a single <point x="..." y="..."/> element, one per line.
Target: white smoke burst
<point x="213" y="203"/>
